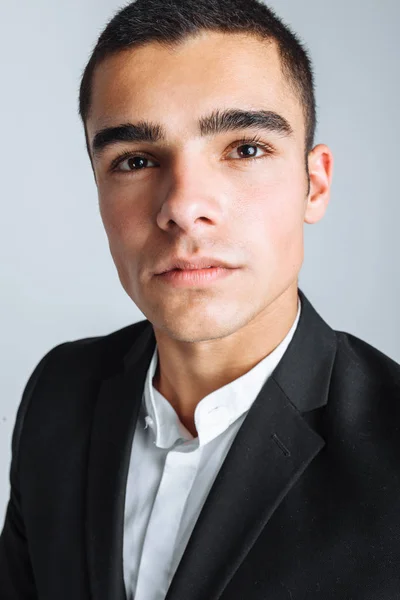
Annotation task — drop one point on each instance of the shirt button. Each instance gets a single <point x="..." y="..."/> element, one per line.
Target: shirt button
<point x="149" y="421"/>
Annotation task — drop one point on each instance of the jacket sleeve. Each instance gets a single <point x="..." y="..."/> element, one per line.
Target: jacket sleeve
<point x="17" y="580"/>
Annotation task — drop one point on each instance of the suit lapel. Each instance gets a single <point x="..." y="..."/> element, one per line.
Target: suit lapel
<point x="272" y="449"/>
<point x="113" y="427"/>
<point x="270" y="452"/>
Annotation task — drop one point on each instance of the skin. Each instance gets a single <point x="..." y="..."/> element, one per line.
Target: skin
<point x="204" y="197"/>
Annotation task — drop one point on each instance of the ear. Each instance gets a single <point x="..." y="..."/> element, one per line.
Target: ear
<point x="320" y="168"/>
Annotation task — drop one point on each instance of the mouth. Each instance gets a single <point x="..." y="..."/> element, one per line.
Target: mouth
<point x="194" y="263"/>
<point x="192" y="269"/>
<point x="195" y="277"/>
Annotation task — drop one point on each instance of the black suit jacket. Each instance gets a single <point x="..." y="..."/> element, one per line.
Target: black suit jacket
<point x="306" y="504"/>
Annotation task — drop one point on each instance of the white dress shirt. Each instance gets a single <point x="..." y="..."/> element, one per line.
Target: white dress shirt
<point x="171" y="473"/>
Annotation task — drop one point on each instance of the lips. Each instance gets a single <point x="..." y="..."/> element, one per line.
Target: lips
<point x="193" y="264"/>
<point x="195" y="277"/>
<point x="197" y="269"/>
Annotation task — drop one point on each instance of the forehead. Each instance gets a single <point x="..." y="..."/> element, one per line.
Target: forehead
<point x="175" y="85"/>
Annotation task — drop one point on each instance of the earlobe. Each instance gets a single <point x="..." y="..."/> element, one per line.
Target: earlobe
<point x="320" y="168"/>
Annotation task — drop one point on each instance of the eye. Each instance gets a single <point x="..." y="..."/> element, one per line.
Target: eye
<point x="129" y="163"/>
<point x="248" y="148"/>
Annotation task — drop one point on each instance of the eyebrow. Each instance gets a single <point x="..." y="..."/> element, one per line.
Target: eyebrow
<point x="217" y="122"/>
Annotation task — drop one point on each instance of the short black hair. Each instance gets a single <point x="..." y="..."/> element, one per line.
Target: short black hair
<point x="170" y="22"/>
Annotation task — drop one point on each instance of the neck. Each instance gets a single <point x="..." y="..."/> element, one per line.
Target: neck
<point x="188" y="372"/>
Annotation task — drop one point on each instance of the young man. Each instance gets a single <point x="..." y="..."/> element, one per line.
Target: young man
<point x="231" y="445"/>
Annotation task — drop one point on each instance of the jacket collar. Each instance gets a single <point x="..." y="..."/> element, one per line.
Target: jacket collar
<point x="272" y="449"/>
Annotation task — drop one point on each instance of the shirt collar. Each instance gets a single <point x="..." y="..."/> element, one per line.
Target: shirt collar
<point x="215" y="412"/>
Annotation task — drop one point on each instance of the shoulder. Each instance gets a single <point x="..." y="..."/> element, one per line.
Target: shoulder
<point x="358" y="359"/>
<point x="101" y="354"/>
<point x="363" y="410"/>
<point x="70" y="373"/>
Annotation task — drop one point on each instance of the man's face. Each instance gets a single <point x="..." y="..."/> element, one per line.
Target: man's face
<point x="199" y="194"/>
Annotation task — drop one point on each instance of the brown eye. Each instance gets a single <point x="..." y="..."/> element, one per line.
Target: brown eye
<point x="249" y="150"/>
<point x="127" y="162"/>
<point x="134" y="163"/>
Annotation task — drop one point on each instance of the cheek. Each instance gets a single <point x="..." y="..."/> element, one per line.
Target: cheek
<point x="110" y="215"/>
<point x="122" y="225"/>
<point x="124" y="239"/>
<point x="275" y="209"/>
<point x="272" y="223"/>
